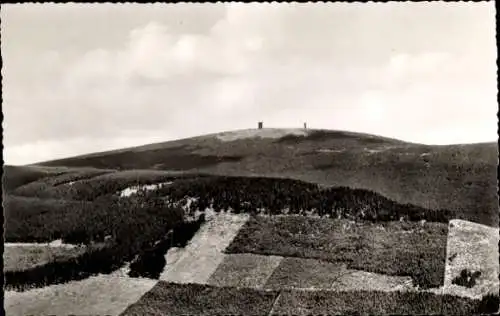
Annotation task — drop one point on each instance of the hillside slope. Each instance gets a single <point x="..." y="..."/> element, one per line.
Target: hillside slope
<point x="438" y="177"/>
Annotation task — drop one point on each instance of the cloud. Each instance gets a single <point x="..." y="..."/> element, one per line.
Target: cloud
<point x="345" y="66"/>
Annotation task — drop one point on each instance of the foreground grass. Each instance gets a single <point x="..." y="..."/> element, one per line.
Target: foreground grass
<point x="292" y="302"/>
<point x="393" y="248"/>
<point x="195" y="299"/>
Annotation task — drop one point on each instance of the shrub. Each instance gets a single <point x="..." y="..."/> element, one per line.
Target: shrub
<point x="466" y="278"/>
<point x="489" y="304"/>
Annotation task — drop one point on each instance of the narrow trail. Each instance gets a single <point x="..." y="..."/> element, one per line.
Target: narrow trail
<point x="99" y="295"/>
<point x="471" y="246"/>
<point x="203" y="254"/>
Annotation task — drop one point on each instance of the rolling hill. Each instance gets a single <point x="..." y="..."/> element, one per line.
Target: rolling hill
<point x="457" y="177"/>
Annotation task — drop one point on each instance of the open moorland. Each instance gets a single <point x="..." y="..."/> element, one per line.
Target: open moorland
<point x="256" y="222"/>
<point x="437" y="177"/>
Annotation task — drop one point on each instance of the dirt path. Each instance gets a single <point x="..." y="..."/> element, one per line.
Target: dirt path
<point x="100" y="295"/>
<point x="201" y="257"/>
<point x="473" y="247"/>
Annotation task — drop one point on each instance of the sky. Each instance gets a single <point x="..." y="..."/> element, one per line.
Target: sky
<point x="82" y="78"/>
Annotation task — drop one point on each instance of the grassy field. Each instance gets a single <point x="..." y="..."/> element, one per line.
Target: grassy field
<point x="375" y="303"/>
<point x="309" y="274"/>
<point x="391" y="248"/>
<point x="194" y="299"/>
<point x="304" y="273"/>
<point x="26" y="257"/>
<point x="244" y="270"/>
<point x="457" y="177"/>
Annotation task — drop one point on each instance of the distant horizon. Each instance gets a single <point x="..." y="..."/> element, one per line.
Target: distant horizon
<point x="105" y="150"/>
<point x="83" y="78"/>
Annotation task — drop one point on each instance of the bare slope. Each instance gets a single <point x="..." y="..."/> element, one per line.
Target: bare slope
<point x="448" y="177"/>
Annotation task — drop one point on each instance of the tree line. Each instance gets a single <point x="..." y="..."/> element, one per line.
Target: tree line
<point x="260" y="195"/>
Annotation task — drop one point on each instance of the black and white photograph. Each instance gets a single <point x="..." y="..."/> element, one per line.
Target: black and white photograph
<point x="264" y="158"/>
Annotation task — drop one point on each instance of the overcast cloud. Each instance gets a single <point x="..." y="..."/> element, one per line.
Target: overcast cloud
<point x="80" y="78"/>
